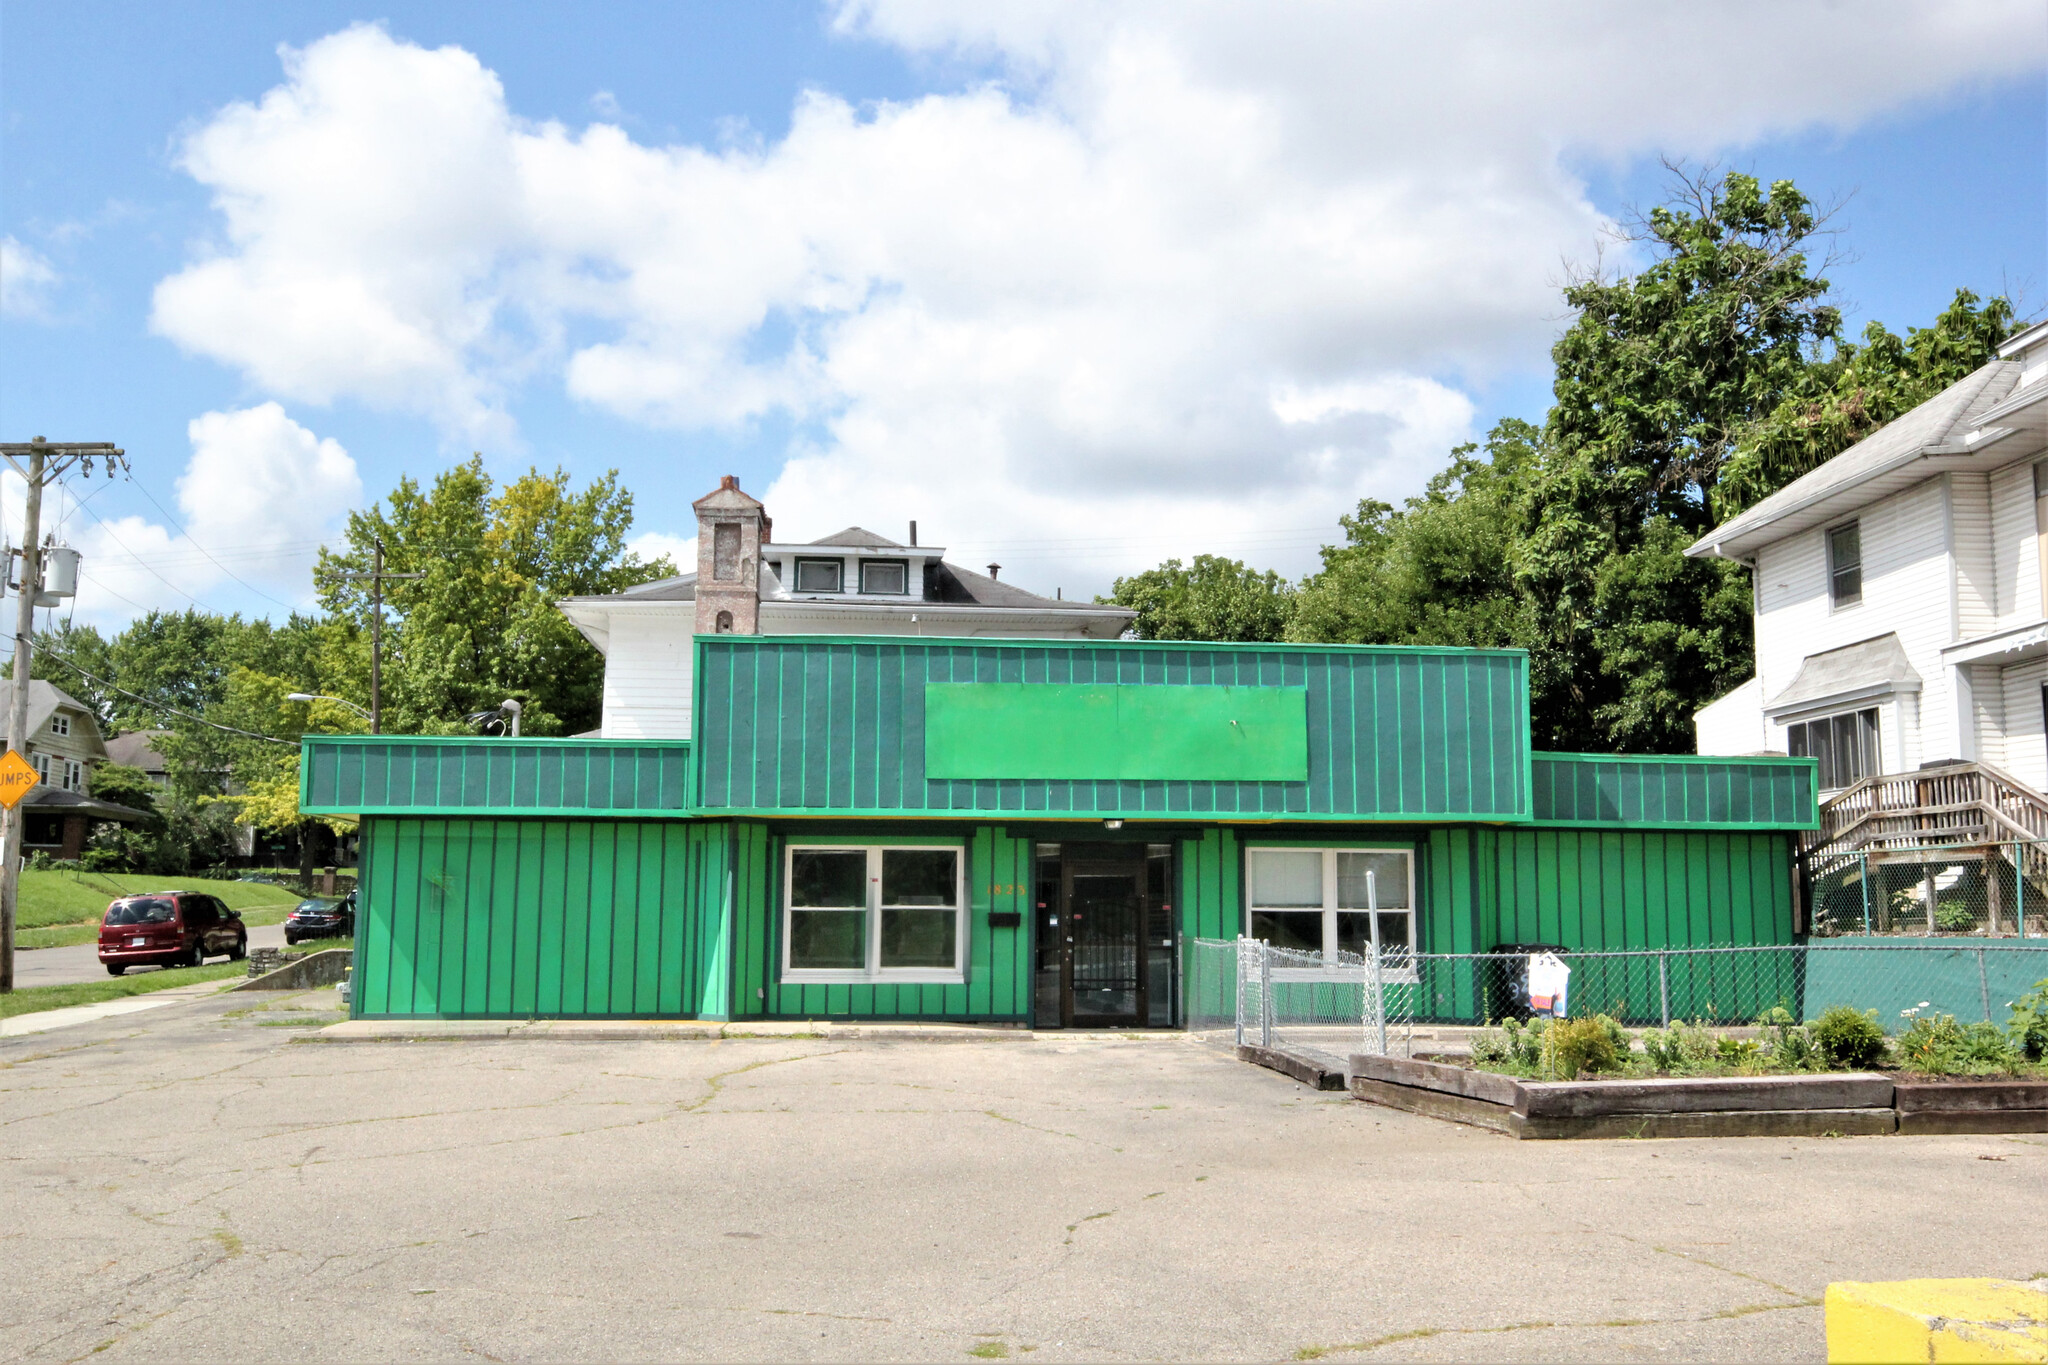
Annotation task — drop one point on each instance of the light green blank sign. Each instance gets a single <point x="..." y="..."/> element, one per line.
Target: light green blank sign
<point x="1096" y="732"/>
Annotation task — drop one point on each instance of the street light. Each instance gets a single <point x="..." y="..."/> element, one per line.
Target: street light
<point x="319" y="696"/>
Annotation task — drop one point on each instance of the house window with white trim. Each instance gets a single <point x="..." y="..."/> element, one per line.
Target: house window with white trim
<point x="1845" y="565"/>
<point x="41" y="763"/>
<point x="60" y="725"/>
<point x="889" y="576"/>
<point x="1324" y="900"/>
<point x="857" y="912"/>
<point x="74" y="775"/>
<point x="1845" y="745"/>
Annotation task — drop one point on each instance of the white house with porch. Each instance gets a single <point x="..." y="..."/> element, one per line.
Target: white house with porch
<point x="1901" y="608"/>
<point x="1901" y="591"/>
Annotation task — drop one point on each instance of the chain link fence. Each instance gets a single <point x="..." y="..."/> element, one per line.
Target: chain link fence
<point x="1252" y="993"/>
<point x="1931" y="891"/>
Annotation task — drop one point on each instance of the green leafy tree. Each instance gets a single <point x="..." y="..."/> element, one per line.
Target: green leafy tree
<point x="1211" y="599"/>
<point x="482" y="625"/>
<point x="1440" y="569"/>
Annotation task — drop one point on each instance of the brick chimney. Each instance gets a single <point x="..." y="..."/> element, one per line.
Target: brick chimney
<point x="731" y="528"/>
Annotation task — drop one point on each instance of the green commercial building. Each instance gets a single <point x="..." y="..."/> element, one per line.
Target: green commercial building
<point x="894" y="824"/>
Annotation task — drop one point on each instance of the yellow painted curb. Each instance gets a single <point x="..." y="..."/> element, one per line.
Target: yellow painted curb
<point x="1932" y="1322"/>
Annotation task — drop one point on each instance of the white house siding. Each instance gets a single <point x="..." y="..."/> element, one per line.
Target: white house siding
<point x="1908" y="588"/>
<point x="2025" y="745"/>
<point x="1976" y="591"/>
<point x="647" y="673"/>
<point x="2016" y="551"/>
<point x="1732" y="725"/>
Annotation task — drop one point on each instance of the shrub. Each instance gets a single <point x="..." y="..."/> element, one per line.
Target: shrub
<point x="1682" y="1048"/>
<point x="1789" y="1043"/>
<point x="1849" y="1039"/>
<point x="1954" y="917"/>
<point x="2028" y="1027"/>
<point x="1940" y="1046"/>
<point x="1586" y="1046"/>
<point x="103" y="860"/>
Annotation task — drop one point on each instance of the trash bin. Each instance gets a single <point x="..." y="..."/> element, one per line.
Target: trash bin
<point x="1507" y="978"/>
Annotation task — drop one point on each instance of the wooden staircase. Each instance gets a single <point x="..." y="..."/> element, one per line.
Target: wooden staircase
<point x="1964" y="810"/>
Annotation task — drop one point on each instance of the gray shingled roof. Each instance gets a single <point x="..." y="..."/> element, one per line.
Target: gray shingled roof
<point x="1931" y="429"/>
<point x="1867" y="665"/>
<point x="856" y="535"/>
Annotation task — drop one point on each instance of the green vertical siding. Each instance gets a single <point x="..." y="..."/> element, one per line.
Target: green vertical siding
<point x="998" y="976"/>
<point x="1608" y="890"/>
<point x="459" y="775"/>
<point x="808" y="725"/>
<point x="1590" y="790"/>
<point x="498" y="919"/>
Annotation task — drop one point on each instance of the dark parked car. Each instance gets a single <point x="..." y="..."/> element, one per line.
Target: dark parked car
<point x="317" y="918"/>
<point x="169" y="929"/>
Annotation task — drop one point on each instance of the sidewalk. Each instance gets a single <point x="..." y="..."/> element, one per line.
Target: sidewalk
<point x="42" y="1021"/>
<point x="643" y="1030"/>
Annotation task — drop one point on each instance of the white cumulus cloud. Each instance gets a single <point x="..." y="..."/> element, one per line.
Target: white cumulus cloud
<point x="26" y="280"/>
<point x="1187" y="275"/>
<point x="259" y="496"/>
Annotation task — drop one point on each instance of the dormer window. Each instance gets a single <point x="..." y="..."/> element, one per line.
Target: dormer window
<point x="887" y="576"/>
<point x="60" y="725"/>
<point x="819" y="575"/>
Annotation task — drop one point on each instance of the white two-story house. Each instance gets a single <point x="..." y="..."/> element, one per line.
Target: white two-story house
<point x="1901" y="591"/>
<point x="746" y="582"/>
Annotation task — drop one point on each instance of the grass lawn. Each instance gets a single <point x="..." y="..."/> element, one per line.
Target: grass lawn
<point x="52" y="898"/>
<point x="35" y="998"/>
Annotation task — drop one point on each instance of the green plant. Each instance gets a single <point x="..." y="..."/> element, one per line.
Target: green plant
<point x="1954" y="917"/>
<point x="1849" y="1039"/>
<point x="1587" y="1046"/>
<point x="103" y="860"/>
<point x="1680" y="1049"/>
<point x="1940" y="1046"/>
<point x="2028" y="1026"/>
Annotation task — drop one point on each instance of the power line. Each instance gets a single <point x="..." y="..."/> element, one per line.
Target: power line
<point x="46" y="648"/>
<point x="201" y="548"/>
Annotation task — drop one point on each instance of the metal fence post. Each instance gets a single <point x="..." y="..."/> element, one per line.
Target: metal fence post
<point x="1379" y="999"/>
<point x="1241" y="941"/>
<point x="1863" y="862"/>
<point x="1983" y="985"/>
<point x="1265" y="994"/>
<point x="1664" y="987"/>
<point x="2019" y="888"/>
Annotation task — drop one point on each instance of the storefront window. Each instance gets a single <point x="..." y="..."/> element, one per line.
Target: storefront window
<point x="1323" y="900"/>
<point x="857" y="913"/>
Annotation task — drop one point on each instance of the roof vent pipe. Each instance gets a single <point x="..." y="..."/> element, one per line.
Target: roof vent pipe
<point x="913" y="535"/>
<point x="995" y="571"/>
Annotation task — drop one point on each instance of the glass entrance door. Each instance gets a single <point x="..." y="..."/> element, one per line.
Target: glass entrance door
<point x="1105" y="942"/>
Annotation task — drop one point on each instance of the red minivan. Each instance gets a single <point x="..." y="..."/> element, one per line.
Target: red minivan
<point x="169" y="929"/>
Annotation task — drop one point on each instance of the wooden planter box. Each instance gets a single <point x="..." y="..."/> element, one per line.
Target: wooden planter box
<point x="1745" y="1106"/>
<point x="1978" y="1105"/>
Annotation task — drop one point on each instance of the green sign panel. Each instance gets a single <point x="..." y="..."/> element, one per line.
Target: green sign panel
<point x="1115" y="732"/>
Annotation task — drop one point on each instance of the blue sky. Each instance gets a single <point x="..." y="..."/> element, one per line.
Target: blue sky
<point x="1078" y="291"/>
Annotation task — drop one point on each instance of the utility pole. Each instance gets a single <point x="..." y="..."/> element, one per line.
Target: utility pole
<point x="377" y="576"/>
<point x="44" y="460"/>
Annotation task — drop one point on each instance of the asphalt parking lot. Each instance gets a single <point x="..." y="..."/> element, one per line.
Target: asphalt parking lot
<point x="193" y="1184"/>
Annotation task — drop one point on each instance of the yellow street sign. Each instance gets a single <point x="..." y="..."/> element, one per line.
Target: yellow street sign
<point x="16" y="777"/>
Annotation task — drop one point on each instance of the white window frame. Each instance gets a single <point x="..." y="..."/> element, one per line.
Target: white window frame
<point x="868" y="564"/>
<point x="74" y="775"/>
<point x="60" y="725"/>
<point x="1827" y="545"/>
<point x="1330" y="908"/>
<point x="875" y="972"/>
<point x="801" y="562"/>
<point x="41" y="763"/>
